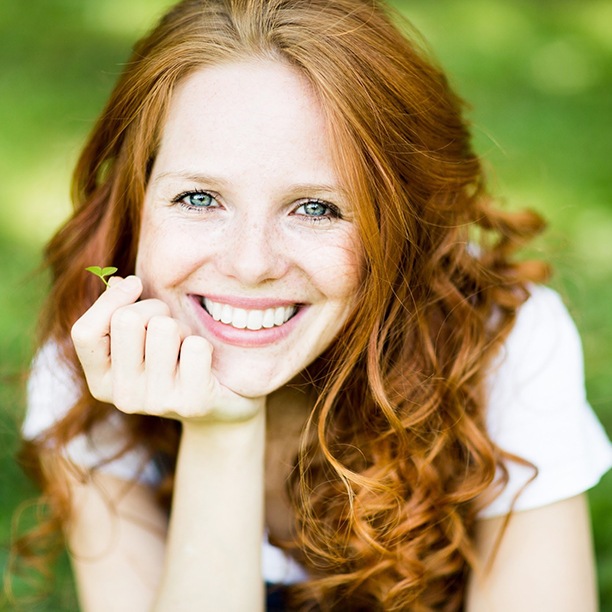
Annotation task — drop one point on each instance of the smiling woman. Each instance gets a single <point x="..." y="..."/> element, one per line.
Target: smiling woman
<point x="324" y="370"/>
<point x="257" y="239"/>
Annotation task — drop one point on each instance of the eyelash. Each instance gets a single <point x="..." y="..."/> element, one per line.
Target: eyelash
<point x="179" y="199"/>
<point x="333" y="211"/>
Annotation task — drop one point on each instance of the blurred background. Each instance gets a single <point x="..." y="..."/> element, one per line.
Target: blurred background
<point x="538" y="77"/>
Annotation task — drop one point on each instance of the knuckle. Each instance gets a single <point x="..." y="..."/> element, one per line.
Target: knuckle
<point x="125" y="318"/>
<point x="99" y="388"/>
<point x="159" y="307"/>
<point x="81" y="334"/>
<point x="97" y="391"/>
<point x="197" y="345"/>
<point x="156" y="405"/>
<point x="103" y="396"/>
<point x="127" y="395"/>
<point x="126" y="403"/>
<point x="163" y="324"/>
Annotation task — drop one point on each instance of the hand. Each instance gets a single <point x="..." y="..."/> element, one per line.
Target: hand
<point x="137" y="357"/>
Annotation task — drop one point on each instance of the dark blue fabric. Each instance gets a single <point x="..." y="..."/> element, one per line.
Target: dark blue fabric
<point x="275" y="598"/>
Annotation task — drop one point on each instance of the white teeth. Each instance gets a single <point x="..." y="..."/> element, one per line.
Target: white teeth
<point x="279" y="316"/>
<point x="268" y="318"/>
<point x="226" y="314"/>
<point x="255" y="319"/>
<point x="239" y="319"/>
<point x="216" y="311"/>
<point x="249" y="319"/>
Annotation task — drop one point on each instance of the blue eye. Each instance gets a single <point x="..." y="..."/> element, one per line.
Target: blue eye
<point x="196" y="200"/>
<point x="199" y="199"/>
<point x="317" y="209"/>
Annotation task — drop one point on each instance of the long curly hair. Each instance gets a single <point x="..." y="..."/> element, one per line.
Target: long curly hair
<point x="395" y="460"/>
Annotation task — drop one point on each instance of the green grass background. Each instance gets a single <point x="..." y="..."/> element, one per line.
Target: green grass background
<point x="538" y="74"/>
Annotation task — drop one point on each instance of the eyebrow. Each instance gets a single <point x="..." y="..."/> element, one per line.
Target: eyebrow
<point x="296" y="188"/>
<point x="187" y="176"/>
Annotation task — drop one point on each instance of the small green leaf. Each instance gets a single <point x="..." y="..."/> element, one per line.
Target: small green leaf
<point x="102" y="272"/>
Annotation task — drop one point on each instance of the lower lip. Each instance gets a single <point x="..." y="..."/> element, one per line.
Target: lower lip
<point x="245" y="337"/>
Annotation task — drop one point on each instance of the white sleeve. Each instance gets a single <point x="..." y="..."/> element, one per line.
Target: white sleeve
<point x="538" y="409"/>
<point x="52" y="391"/>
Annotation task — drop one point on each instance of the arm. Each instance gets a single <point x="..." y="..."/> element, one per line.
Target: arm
<point x="136" y="357"/>
<point x="117" y="537"/>
<point x="544" y="562"/>
<point x="215" y="539"/>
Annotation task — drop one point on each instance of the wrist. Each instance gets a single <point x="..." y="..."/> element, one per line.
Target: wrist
<point x="211" y="435"/>
<point x="229" y="410"/>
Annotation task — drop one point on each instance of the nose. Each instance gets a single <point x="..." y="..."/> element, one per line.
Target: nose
<point x="254" y="252"/>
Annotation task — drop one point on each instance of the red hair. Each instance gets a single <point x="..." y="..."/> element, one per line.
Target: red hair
<point x="395" y="459"/>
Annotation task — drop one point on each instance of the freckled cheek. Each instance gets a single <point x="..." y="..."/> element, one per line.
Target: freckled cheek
<point x="167" y="255"/>
<point x="339" y="272"/>
<point x="145" y="257"/>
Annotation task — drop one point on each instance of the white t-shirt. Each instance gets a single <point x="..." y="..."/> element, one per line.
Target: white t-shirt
<point x="537" y="409"/>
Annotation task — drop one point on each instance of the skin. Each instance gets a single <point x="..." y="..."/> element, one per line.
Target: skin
<point x="239" y="209"/>
<point x="544" y="561"/>
<point x="269" y="227"/>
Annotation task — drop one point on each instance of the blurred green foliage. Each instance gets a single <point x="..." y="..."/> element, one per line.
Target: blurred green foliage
<point x="537" y="74"/>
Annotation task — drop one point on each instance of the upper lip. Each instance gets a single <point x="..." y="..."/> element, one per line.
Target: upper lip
<point x="249" y="303"/>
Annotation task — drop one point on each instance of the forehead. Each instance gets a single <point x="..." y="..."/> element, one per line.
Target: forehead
<point x="254" y="115"/>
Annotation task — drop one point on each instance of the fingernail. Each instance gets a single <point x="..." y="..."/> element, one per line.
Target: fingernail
<point x="129" y="284"/>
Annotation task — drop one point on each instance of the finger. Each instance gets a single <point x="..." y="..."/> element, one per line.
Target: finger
<point x="128" y="331"/>
<point x="162" y="344"/>
<point x="90" y="334"/>
<point x="95" y="323"/>
<point x="112" y="281"/>
<point x="195" y="376"/>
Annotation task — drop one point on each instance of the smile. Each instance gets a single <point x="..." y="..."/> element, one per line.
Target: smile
<point x="241" y="318"/>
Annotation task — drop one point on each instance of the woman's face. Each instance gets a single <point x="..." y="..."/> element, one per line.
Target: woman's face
<point x="246" y="232"/>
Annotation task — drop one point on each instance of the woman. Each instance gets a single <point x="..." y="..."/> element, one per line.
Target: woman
<point x="319" y="339"/>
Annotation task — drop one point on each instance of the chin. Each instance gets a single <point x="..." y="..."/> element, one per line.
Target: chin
<point x="250" y="382"/>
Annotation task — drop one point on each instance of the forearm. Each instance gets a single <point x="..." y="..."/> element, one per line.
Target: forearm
<point x="116" y="541"/>
<point x="213" y="556"/>
<point x="544" y="561"/>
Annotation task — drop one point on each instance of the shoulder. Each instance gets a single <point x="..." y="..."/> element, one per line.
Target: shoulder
<point x="542" y="353"/>
<point x="53" y="389"/>
<point x="543" y="326"/>
<point x="537" y="408"/>
<point x="540" y="366"/>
